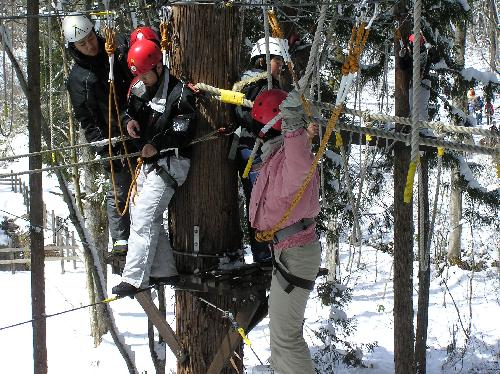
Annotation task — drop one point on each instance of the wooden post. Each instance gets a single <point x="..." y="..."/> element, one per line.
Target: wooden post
<point x="45" y="216"/>
<point x="60" y="242"/>
<point x="73" y="251"/>
<point x="36" y="190"/>
<point x="53" y="222"/>
<point x="15" y="183"/>
<point x="12" y="183"/>
<point x="12" y="266"/>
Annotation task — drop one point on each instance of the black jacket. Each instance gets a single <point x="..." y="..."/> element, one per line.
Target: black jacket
<point x="174" y="128"/>
<point x="88" y="88"/>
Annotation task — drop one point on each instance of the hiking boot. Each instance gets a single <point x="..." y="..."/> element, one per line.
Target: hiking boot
<point x="120" y="248"/>
<point x="124" y="289"/>
<point x="161" y="281"/>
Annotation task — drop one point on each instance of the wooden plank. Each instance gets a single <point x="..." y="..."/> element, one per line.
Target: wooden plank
<point x="166" y="332"/>
<point x="47" y="248"/>
<point x="28" y="260"/>
<point x="232" y="339"/>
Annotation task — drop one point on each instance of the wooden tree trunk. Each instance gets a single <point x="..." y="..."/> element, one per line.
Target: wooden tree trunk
<point x="403" y="219"/>
<point x="492" y="33"/>
<point x="424" y="271"/>
<point x="208" y="52"/>
<point x="460" y="101"/>
<point x="36" y="193"/>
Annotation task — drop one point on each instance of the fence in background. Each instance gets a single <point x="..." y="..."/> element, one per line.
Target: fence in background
<point x="63" y="246"/>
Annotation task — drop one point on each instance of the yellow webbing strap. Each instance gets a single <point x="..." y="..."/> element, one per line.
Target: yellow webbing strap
<point x="248" y="167"/>
<point x="244" y="337"/>
<point x="338" y="140"/>
<point x="408" y="193"/>
<point x="232" y="97"/>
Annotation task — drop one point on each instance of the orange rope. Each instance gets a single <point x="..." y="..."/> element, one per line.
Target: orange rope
<point x="110" y="46"/>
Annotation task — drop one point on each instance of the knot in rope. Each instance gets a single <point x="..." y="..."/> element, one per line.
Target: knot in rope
<point x="110" y="44"/>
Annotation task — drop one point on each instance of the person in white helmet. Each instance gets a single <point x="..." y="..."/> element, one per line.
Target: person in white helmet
<point x="252" y="83"/>
<point x="89" y="89"/>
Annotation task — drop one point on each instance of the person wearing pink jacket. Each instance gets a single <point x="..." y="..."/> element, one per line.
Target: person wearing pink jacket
<point x="287" y="158"/>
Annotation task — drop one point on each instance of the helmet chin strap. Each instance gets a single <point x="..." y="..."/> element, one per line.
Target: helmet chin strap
<point x="157" y="103"/>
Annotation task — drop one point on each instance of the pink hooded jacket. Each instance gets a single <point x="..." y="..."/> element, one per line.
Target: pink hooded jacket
<point x="279" y="179"/>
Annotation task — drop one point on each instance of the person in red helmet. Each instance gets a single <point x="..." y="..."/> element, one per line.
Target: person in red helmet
<point x="160" y="116"/>
<point x="144" y="32"/>
<point x="287" y="159"/>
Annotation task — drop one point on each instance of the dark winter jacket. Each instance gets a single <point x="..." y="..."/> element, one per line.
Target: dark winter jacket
<point x="427" y="58"/>
<point x="174" y="128"/>
<point x="88" y="87"/>
<point x="243" y="117"/>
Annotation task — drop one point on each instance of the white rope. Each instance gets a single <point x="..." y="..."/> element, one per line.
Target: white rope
<point x="314" y="50"/>
<point x="268" y="55"/>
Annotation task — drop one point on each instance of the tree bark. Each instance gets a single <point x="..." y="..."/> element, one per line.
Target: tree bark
<point x="208" y="52"/>
<point x="36" y="193"/>
<point x="459" y="99"/>
<point x="424" y="271"/>
<point x="403" y="217"/>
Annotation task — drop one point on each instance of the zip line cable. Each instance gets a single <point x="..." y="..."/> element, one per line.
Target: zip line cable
<point x="45" y="316"/>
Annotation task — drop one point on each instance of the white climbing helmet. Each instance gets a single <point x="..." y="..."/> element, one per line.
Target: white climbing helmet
<point x="76" y="27"/>
<point x="277" y="47"/>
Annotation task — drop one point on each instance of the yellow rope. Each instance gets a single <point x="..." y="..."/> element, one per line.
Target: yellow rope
<point x="274" y="24"/>
<point x="354" y="53"/>
<point x="110" y="46"/>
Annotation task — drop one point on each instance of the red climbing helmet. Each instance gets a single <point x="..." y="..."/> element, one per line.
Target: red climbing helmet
<point x="267" y="106"/>
<point x="143" y="56"/>
<point x="143" y="32"/>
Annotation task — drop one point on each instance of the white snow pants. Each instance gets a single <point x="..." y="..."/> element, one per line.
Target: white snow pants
<point x="149" y="251"/>
<point x="289" y="351"/>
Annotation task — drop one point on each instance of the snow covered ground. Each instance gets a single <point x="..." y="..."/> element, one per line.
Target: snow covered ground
<point x="70" y="346"/>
